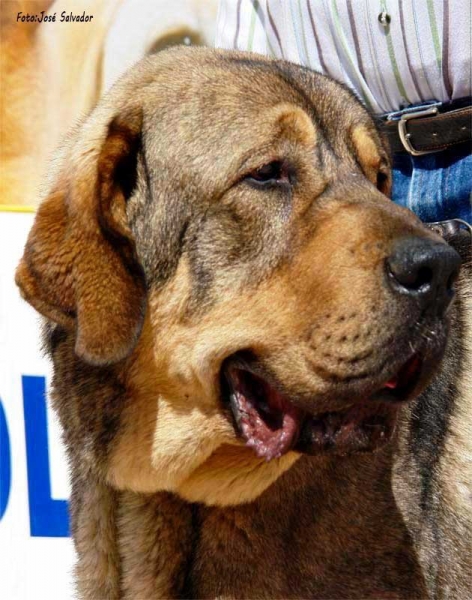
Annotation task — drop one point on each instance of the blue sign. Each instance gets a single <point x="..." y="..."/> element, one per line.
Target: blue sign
<point x="48" y="517"/>
<point x="5" y="462"/>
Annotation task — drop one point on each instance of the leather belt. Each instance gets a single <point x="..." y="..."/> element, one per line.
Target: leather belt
<point x="429" y="129"/>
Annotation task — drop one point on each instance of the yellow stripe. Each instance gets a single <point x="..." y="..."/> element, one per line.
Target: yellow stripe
<point x="17" y="208"/>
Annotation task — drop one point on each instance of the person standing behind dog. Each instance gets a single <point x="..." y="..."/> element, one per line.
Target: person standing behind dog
<point x="409" y="62"/>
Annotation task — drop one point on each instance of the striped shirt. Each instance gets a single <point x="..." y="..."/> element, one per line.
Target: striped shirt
<point x="422" y="51"/>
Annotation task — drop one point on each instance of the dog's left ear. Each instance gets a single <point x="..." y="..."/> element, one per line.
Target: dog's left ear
<point x="80" y="267"/>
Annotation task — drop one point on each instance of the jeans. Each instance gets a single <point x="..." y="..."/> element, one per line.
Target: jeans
<point x="435" y="186"/>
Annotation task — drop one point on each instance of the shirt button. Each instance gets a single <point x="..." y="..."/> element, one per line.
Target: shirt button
<point x="384" y="18"/>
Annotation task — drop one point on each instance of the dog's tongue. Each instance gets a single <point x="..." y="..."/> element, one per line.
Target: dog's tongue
<point x="405" y="374"/>
<point x="268" y="422"/>
<point x="392" y="383"/>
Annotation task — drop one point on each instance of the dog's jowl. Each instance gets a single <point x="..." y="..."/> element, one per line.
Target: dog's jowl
<point x="260" y="361"/>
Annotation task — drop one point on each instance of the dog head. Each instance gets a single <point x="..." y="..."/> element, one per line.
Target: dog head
<point x="219" y="230"/>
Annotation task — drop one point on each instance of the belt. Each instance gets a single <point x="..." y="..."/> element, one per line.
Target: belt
<point x="429" y="128"/>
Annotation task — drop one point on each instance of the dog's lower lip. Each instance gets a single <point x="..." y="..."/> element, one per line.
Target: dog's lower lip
<point x="269" y="423"/>
<point x="272" y="425"/>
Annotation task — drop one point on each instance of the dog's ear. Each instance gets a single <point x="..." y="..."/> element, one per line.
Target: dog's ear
<point x="79" y="266"/>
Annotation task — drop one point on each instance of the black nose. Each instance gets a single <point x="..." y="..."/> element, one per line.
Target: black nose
<point x="425" y="270"/>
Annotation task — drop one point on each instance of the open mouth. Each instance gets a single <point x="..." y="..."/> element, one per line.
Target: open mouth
<point x="271" y="424"/>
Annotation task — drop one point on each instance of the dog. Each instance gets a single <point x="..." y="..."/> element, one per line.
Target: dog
<point x="53" y="73"/>
<point x="247" y="337"/>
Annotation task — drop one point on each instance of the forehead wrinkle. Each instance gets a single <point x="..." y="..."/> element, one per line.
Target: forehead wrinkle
<point x="283" y="122"/>
<point x="321" y="113"/>
<point x="306" y="103"/>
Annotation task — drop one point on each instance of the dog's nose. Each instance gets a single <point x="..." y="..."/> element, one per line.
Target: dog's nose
<point x="425" y="270"/>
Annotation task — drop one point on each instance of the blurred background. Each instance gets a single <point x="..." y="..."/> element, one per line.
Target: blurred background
<point x="52" y="73"/>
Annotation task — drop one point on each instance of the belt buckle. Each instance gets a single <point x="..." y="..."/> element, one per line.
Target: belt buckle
<point x="403" y="130"/>
<point x="451" y="226"/>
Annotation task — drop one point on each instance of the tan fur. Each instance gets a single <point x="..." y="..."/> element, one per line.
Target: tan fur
<point x="295" y="124"/>
<point x="160" y="451"/>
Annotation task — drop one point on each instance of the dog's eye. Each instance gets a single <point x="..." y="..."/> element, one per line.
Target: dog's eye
<point x="273" y="173"/>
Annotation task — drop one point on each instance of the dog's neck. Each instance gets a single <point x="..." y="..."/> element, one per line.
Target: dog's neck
<point x="319" y="512"/>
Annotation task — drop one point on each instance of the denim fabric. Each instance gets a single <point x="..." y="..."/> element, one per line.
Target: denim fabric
<point x="435" y="186"/>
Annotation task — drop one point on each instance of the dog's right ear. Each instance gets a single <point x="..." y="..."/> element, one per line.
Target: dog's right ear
<point x="80" y="267"/>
